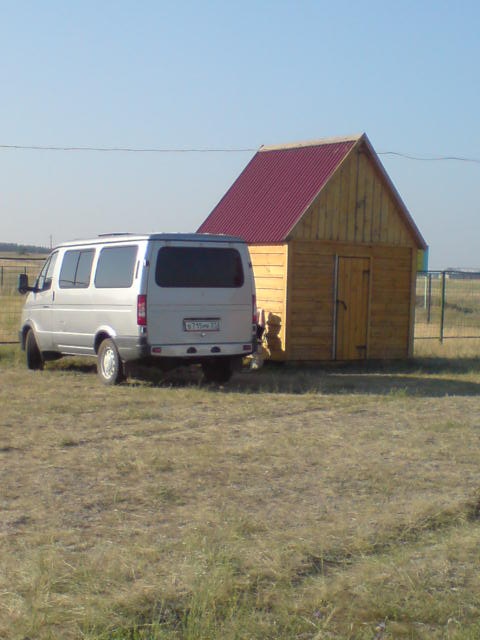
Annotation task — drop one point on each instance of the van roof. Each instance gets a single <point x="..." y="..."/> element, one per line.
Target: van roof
<point x="165" y="237"/>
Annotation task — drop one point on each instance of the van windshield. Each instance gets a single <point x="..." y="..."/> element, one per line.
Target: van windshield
<point x="195" y="267"/>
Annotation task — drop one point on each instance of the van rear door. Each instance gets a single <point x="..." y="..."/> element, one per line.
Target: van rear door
<point x="199" y="293"/>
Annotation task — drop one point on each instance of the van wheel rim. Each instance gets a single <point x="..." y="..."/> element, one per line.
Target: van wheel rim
<point x="108" y="363"/>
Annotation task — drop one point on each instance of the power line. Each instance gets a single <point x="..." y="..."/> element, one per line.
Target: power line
<point x="122" y="149"/>
<point x="428" y="158"/>
<point x="215" y="150"/>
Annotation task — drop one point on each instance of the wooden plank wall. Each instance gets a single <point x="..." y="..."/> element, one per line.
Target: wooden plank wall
<point x="310" y="301"/>
<point x="310" y="309"/>
<point x="355" y="206"/>
<point x="391" y="314"/>
<point x="270" y="271"/>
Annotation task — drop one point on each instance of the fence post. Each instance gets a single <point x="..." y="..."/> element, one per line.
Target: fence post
<point x="442" y="316"/>
<point x="429" y="299"/>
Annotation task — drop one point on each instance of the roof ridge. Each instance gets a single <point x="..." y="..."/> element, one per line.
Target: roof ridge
<point x="312" y="143"/>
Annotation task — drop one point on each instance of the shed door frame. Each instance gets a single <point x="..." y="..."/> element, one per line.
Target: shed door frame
<point x="336" y="302"/>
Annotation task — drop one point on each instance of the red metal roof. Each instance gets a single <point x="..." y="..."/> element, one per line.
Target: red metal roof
<point x="274" y="191"/>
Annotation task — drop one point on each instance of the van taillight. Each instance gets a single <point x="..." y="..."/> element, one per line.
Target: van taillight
<point x="142" y="310"/>
<point x="254" y="309"/>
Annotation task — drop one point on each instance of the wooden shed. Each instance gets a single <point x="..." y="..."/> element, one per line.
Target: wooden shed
<point x="333" y="247"/>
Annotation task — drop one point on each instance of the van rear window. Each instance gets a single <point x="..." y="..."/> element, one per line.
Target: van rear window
<point x="115" y="267"/>
<point x="196" y="267"/>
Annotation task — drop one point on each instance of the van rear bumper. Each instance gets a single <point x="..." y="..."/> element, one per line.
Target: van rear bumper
<point x="201" y="350"/>
<point x="138" y="348"/>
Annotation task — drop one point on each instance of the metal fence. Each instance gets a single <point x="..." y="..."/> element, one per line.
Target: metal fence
<point x="447" y="305"/>
<point x="447" y="302"/>
<point x="11" y="301"/>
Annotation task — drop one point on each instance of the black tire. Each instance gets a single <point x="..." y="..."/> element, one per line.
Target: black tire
<point x="218" y="370"/>
<point x="109" y="365"/>
<point x="34" y="356"/>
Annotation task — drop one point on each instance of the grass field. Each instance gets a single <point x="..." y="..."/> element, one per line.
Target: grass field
<point x="291" y="504"/>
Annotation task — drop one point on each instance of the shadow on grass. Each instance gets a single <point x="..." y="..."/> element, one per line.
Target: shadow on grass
<point x="399" y="379"/>
<point x="373" y="384"/>
<point x="426" y="377"/>
<point x="419" y="378"/>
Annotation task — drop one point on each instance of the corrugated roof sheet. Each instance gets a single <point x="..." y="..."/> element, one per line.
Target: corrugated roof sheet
<point x="274" y="190"/>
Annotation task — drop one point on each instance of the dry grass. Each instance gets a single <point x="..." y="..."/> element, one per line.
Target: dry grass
<point x="454" y="349"/>
<point x="291" y="504"/>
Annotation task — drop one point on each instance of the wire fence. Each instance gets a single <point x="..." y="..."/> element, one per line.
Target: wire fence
<point x="11" y="302"/>
<point x="447" y="302"/>
<point x="447" y="305"/>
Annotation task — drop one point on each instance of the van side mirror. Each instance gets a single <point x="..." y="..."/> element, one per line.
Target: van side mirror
<point x="22" y="286"/>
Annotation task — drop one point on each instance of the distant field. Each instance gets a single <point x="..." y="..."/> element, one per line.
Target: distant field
<point x="21" y="256"/>
<point x="291" y="504"/>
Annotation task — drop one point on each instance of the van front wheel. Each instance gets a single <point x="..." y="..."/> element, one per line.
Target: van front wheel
<point x="109" y="367"/>
<point x="34" y="357"/>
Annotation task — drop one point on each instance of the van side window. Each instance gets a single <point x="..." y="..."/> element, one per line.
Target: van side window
<point x="199" y="267"/>
<point x="76" y="269"/>
<point x="115" y="267"/>
<point x="44" y="280"/>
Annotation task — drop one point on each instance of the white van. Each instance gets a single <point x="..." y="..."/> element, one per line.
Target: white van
<point x="167" y="299"/>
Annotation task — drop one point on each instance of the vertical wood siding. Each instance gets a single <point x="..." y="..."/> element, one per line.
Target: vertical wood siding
<point x="353" y="308"/>
<point x="355" y="206"/>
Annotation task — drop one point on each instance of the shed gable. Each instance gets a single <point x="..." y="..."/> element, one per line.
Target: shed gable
<point x="356" y="206"/>
<point x="334" y="189"/>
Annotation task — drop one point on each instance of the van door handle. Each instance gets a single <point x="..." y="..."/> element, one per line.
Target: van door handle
<point x="342" y="302"/>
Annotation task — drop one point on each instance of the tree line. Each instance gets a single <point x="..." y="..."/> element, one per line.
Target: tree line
<point x="22" y="249"/>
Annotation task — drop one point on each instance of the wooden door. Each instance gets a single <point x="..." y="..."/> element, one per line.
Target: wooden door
<point x="352" y="308"/>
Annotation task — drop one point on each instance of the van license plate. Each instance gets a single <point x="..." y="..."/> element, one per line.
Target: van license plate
<point x="198" y="324"/>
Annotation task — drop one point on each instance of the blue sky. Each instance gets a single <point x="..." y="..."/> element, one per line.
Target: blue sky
<point x="182" y="75"/>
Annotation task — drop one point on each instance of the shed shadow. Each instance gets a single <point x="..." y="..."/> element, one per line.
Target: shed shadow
<point x="413" y="379"/>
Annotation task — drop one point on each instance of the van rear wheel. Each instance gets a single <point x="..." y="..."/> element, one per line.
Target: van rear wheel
<point x="34" y="356"/>
<point x="217" y="370"/>
<point x="109" y="366"/>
